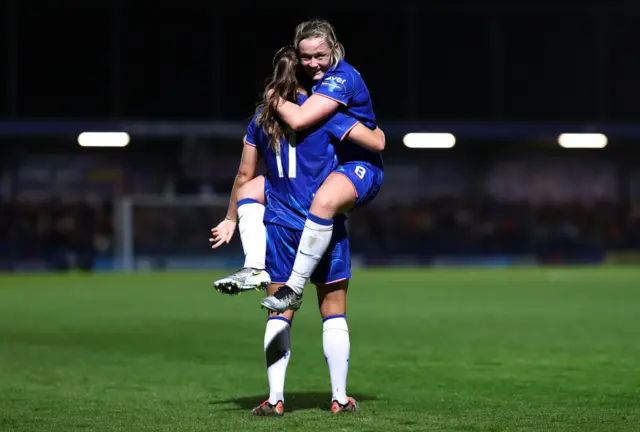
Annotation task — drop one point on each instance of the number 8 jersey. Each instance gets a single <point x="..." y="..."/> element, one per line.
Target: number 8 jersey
<point x="297" y="170"/>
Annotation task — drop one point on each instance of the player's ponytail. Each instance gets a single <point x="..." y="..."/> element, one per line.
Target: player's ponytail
<point x="284" y="84"/>
<point x="337" y="53"/>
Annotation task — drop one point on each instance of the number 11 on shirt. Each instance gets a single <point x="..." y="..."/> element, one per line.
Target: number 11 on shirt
<point x="291" y="148"/>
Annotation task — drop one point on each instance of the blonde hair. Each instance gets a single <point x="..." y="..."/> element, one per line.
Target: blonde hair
<point x="284" y="84"/>
<point x="317" y="28"/>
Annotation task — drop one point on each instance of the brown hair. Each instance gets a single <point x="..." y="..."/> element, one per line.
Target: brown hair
<point x="317" y="28"/>
<point x="284" y="84"/>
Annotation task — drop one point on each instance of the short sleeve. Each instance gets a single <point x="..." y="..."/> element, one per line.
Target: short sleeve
<point x="340" y="125"/>
<point x="336" y="86"/>
<point x="252" y="133"/>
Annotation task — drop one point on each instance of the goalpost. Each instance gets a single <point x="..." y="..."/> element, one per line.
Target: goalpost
<point x="171" y="231"/>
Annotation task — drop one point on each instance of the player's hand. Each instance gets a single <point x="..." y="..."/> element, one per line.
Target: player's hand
<point x="222" y="233"/>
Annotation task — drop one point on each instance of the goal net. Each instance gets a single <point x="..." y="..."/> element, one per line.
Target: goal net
<point x="156" y="232"/>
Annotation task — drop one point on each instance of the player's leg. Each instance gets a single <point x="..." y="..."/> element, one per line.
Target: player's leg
<point x="332" y="302"/>
<point x="277" y="352"/>
<point x="331" y="278"/>
<point x="252" y="276"/>
<point x="336" y="195"/>
<point x="352" y="184"/>
<point x="277" y="337"/>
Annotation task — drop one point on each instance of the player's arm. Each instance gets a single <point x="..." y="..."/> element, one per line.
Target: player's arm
<point x="372" y="140"/>
<point x="312" y="111"/>
<point x="342" y="126"/>
<point x="246" y="172"/>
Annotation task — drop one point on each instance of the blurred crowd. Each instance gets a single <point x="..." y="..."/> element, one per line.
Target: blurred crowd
<point x="63" y="211"/>
<point x="567" y="232"/>
<point x="60" y="234"/>
<point x="74" y="234"/>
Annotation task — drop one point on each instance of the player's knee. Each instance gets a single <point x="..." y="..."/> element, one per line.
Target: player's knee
<point x="337" y="195"/>
<point x="327" y="205"/>
<point x="252" y="190"/>
<point x="244" y="192"/>
<point x="323" y="202"/>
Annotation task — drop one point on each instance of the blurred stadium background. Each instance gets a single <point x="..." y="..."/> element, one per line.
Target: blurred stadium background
<point x="505" y="79"/>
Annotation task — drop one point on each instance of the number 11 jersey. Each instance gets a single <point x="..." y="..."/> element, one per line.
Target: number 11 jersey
<point x="295" y="172"/>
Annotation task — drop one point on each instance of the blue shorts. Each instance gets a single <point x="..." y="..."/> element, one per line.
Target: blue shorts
<point x="282" y="246"/>
<point x="366" y="179"/>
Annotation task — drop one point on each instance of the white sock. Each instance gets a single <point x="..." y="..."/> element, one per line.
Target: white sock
<point x="277" y="352"/>
<point x="335" y="340"/>
<point x="253" y="233"/>
<point x="314" y="242"/>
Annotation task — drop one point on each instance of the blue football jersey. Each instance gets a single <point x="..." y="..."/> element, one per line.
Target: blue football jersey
<point x="297" y="170"/>
<point x="344" y="84"/>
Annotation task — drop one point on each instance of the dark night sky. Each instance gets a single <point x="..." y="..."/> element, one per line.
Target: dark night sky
<point x="421" y="63"/>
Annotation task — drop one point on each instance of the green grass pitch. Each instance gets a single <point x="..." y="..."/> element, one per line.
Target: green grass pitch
<point x="432" y="350"/>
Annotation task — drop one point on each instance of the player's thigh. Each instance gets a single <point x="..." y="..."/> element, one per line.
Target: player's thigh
<point x="271" y="289"/>
<point x="332" y="298"/>
<point x="365" y="178"/>
<point x="336" y="195"/>
<point x="253" y="189"/>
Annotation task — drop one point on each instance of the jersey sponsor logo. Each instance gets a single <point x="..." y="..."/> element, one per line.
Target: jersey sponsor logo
<point x="336" y="80"/>
<point x="335" y="83"/>
<point x="333" y="87"/>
